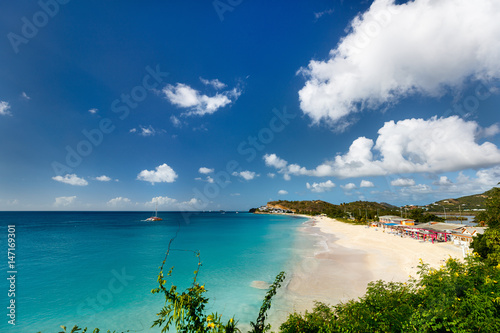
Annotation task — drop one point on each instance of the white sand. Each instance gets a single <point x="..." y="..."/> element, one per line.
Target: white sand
<point x="346" y="258"/>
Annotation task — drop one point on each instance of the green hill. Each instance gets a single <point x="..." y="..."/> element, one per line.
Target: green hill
<point x="357" y="209"/>
<point x="467" y="203"/>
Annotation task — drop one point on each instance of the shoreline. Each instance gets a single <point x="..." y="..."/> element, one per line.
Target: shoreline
<point x="335" y="261"/>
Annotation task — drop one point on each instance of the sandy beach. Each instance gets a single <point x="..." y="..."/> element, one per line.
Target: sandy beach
<point x="345" y="258"/>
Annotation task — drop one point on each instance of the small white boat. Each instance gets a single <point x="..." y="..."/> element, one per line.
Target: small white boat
<point x="155" y="217"/>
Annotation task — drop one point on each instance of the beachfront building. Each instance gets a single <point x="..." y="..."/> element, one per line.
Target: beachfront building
<point x="464" y="235"/>
<point x="395" y="220"/>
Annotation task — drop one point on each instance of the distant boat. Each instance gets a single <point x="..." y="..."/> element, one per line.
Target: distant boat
<point x="155" y="218"/>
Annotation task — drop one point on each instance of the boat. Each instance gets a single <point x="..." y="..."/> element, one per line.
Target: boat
<point x="155" y="218"/>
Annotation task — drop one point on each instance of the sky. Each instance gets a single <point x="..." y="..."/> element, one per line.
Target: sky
<point x="229" y="104"/>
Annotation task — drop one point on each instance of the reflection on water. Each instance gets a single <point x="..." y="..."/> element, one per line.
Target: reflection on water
<point x="468" y="222"/>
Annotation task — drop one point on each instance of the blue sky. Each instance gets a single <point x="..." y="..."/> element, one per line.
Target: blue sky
<point x="201" y="105"/>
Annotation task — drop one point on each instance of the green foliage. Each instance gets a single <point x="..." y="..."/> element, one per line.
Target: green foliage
<point x="459" y="297"/>
<point x="487" y="246"/>
<point x="259" y="326"/>
<point x="419" y="215"/>
<point x="475" y="201"/>
<point x="359" y="210"/>
<point x="186" y="310"/>
<point x="492" y="215"/>
<point x="77" y="329"/>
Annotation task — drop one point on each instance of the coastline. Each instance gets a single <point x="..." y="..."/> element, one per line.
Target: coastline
<point x="335" y="261"/>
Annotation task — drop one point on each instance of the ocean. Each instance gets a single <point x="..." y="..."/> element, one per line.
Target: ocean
<point x="97" y="269"/>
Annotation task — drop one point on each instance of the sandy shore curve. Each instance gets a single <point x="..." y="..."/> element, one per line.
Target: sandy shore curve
<point x="344" y="258"/>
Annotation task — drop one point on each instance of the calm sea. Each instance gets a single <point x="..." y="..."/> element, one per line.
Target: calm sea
<point x="97" y="269"/>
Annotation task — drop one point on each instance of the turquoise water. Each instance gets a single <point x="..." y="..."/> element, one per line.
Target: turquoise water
<point x="97" y="269"/>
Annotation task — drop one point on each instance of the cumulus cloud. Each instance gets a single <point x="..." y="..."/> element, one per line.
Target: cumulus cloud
<point x="93" y="110"/>
<point x="246" y="175"/>
<point x="71" y="179"/>
<point x="348" y="186"/>
<point x="271" y="175"/>
<point x="183" y="96"/>
<point x="173" y="204"/>
<point x="366" y="183"/>
<point x="64" y="201"/>
<point x="5" y="109"/>
<point x="162" y="174"/>
<point x="407" y="146"/>
<point x="403" y="182"/>
<point x="282" y="192"/>
<point x="274" y="161"/>
<point x="392" y="51"/>
<point x="320" y="187"/>
<point x="215" y="83"/>
<point x="443" y="181"/>
<point x="25" y="96"/>
<point x="118" y="201"/>
<point x="205" y="170"/>
<point x="103" y="178"/>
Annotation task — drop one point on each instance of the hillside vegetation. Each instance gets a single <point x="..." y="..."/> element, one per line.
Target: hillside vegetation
<point x="469" y="202"/>
<point x="358" y="210"/>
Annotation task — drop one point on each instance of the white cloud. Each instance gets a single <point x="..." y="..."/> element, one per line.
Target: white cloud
<point x="403" y="182"/>
<point x="146" y="131"/>
<point x="118" y="201"/>
<point x="71" y="179"/>
<point x="408" y="146"/>
<point x="274" y="161"/>
<point x="246" y="175"/>
<point x="321" y="187"/>
<point x="163" y="174"/>
<point x="235" y="194"/>
<point x="318" y="15"/>
<point x="173" y="204"/>
<point x="175" y="121"/>
<point x="366" y="183"/>
<point x="25" y="96"/>
<point x="348" y="186"/>
<point x="205" y="170"/>
<point x="443" y="181"/>
<point x="197" y="103"/>
<point x="208" y="179"/>
<point x="271" y="175"/>
<point x="64" y="201"/>
<point x="93" y="110"/>
<point x="392" y="51"/>
<point x="162" y="201"/>
<point x="282" y="192"/>
<point x="5" y="109"/>
<point x="103" y="178"/>
<point x="214" y="83"/>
